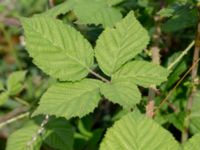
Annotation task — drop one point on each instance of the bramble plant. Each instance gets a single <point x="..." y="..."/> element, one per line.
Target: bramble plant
<point x="109" y="70"/>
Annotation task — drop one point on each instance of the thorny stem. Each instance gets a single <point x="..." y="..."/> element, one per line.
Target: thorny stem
<point x="40" y="131"/>
<point x="195" y="79"/>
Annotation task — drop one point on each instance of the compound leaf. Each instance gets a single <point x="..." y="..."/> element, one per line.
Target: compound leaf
<point x="70" y="99"/>
<point x="120" y="44"/>
<point x="57" y="48"/>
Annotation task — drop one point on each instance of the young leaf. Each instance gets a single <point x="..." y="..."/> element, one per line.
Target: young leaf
<point x="58" y="49"/>
<point x="137" y="132"/>
<point x="141" y="73"/>
<point x="124" y="93"/>
<point x="59" y="134"/>
<point x="70" y="99"/>
<point x="3" y="97"/>
<point x="19" y="139"/>
<point x="193" y="143"/>
<point x="120" y="44"/>
<point x="98" y="12"/>
<point x="14" y="83"/>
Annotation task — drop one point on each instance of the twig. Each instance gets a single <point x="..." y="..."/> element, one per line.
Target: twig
<point x="181" y="56"/>
<point x="14" y="119"/>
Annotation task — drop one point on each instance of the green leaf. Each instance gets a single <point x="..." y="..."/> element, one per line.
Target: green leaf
<point x="124" y="93"/>
<point x="62" y="8"/>
<point x="121" y="43"/>
<point x="3" y="97"/>
<point x="59" y="134"/>
<point x="166" y="12"/>
<point x="98" y="12"/>
<point x="185" y="16"/>
<point x="137" y="132"/>
<point x="14" y="83"/>
<point x="19" y="139"/>
<point x="1" y="86"/>
<point x="142" y="73"/>
<point x="113" y="2"/>
<point x="57" y="48"/>
<point x="70" y="99"/>
<point x="193" y="143"/>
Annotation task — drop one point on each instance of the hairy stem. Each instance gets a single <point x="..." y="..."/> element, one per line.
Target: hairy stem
<point x="195" y="79"/>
